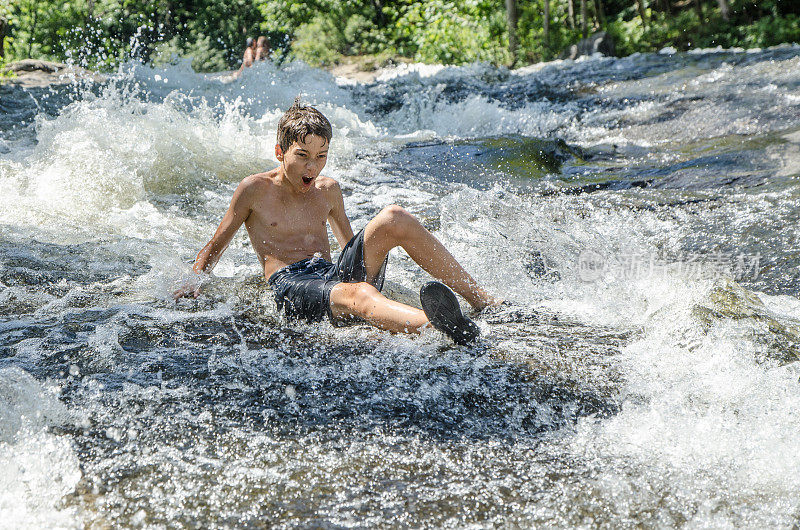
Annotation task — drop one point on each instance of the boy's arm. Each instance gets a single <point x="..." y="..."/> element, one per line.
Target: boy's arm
<point x="340" y="224"/>
<point x="238" y="212"/>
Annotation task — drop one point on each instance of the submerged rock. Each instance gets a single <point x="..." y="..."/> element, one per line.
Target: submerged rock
<point x="730" y="301"/>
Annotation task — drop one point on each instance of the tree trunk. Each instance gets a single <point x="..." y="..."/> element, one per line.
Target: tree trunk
<point x="33" y="28"/>
<point x="699" y="10"/>
<point x="546" y="33"/>
<point x="601" y="14"/>
<point x="747" y="12"/>
<point x="3" y="24"/>
<point x="380" y="20"/>
<point x="724" y="9"/>
<point x="513" y="43"/>
<point x="571" y="14"/>
<point x="642" y="13"/>
<point x="583" y="19"/>
<point x="167" y="16"/>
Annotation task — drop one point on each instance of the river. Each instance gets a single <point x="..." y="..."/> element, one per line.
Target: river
<point x="640" y="214"/>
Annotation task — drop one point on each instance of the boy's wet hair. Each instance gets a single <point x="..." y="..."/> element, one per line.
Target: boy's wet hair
<point x="299" y="122"/>
<point x="248" y="42"/>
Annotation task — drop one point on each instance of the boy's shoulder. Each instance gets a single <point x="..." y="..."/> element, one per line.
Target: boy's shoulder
<point x="327" y="184"/>
<point x="254" y="186"/>
<point x="257" y="181"/>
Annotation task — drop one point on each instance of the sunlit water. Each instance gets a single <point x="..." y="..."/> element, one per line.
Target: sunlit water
<point x="641" y="214"/>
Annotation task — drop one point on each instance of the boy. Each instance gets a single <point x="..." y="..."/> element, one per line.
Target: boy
<point x="262" y="49"/>
<point x="249" y="55"/>
<point x="286" y="210"/>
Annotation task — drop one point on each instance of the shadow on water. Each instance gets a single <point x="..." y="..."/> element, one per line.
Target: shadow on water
<point x="552" y="167"/>
<point x="36" y="263"/>
<point x="19" y="107"/>
<point x="185" y="387"/>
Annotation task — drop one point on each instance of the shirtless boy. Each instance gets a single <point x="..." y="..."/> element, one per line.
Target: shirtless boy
<point x="249" y="55"/>
<point x="285" y="211"/>
<point x="262" y="49"/>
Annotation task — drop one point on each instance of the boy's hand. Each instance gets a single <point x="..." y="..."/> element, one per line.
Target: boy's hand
<point x="191" y="286"/>
<point x="187" y="291"/>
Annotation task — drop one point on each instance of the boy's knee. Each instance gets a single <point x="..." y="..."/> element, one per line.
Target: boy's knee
<point x="395" y="219"/>
<point x="364" y="297"/>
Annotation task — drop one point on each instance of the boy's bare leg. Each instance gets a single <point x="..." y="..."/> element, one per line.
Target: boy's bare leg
<point x="394" y="227"/>
<point x="365" y="301"/>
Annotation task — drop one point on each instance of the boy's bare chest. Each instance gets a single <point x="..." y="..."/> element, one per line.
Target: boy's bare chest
<point x="283" y="219"/>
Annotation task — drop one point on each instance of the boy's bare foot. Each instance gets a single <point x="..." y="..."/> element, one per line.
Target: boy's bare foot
<point x="492" y="303"/>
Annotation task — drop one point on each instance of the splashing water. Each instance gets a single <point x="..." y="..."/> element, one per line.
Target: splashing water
<point x="640" y="214"/>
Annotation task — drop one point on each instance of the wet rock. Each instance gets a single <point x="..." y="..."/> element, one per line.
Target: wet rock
<point x="779" y="337"/>
<point x="600" y="42"/>
<point x="38" y="73"/>
<point x="33" y="65"/>
<point x="517" y="160"/>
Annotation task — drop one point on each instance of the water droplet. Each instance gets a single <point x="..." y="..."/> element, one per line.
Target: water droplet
<point x="114" y="434"/>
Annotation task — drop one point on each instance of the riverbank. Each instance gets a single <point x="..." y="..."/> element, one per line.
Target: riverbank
<point x="365" y="68"/>
<point x="31" y="73"/>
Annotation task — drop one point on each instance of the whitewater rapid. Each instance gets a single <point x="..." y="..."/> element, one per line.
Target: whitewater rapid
<point x="639" y="379"/>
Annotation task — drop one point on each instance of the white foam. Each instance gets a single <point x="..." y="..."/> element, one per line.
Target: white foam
<point x="39" y="468"/>
<point x="699" y="410"/>
<point x="705" y="409"/>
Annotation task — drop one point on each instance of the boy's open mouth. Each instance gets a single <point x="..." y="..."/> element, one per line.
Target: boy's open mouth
<point x="307" y="180"/>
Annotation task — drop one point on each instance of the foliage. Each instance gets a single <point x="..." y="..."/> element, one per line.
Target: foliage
<point x="204" y="56"/>
<point x="685" y="30"/>
<point x="318" y="42"/>
<point x="453" y="32"/>
<point x="102" y="33"/>
<point x="531" y="31"/>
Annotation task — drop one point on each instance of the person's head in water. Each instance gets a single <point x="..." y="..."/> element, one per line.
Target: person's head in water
<point x="304" y="135"/>
<point x="249" y="42"/>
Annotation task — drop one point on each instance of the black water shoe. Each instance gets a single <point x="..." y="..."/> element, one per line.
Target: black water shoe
<point x="443" y="310"/>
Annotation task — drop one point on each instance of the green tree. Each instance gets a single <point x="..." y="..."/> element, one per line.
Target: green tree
<point x="103" y="33"/>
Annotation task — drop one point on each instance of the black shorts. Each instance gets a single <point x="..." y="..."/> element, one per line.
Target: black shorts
<point x="303" y="289"/>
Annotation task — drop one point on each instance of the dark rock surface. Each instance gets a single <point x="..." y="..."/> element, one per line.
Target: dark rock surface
<point x="598" y="42"/>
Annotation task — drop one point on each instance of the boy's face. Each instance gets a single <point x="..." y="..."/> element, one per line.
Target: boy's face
<point x="303" y="161"/>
